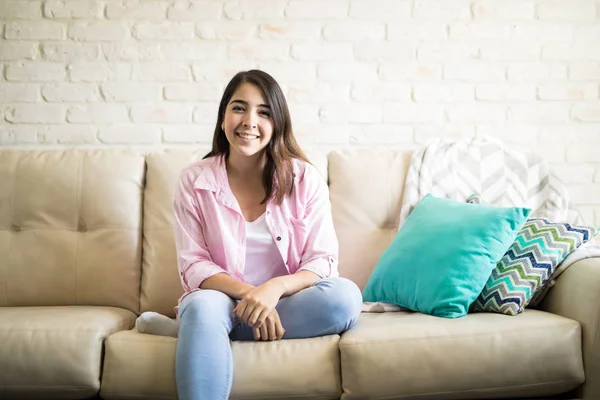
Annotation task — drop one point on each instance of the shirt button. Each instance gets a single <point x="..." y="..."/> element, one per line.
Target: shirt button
<point x="278" y="238"/>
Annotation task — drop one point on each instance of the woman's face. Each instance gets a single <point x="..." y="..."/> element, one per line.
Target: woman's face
<point x="247" y="122"/>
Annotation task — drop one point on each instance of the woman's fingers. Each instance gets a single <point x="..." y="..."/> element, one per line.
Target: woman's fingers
<point x="279" y="328"/>
<point x="256" y="334"/>
<point x="256" y="319"/>
<point x="264" y="332"/>
<point x="272" y="324"/>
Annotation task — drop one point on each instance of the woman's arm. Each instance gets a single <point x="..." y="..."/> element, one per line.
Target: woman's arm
<point x="228" y="285"/>
<point x="321" y="250"/>
<point x="194" y="260"/>
<point x="290" y="284"/>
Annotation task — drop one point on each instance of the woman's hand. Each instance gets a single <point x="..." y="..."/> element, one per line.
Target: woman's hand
<point x="258" y="303"/>
<point x="271" y="329"/>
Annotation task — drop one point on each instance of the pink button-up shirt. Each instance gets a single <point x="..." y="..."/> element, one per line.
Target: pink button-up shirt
<point x="210" y="230"/>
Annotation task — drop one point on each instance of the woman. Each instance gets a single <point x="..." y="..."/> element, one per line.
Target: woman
<point x="257" y="251"/>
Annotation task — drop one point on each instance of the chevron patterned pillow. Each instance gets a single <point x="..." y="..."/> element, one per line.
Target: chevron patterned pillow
<point x="529" y="263"/>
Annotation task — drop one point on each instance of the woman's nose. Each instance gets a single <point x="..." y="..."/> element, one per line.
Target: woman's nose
<point x="249" y="120"/>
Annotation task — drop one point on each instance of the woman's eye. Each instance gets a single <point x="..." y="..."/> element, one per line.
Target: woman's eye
<point x="265" y="113"/>
<point x="237" y="108"/>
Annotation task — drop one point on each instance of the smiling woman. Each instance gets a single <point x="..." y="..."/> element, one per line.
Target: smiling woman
<point x="247" y="122"/>
<point x="256" y="247"/>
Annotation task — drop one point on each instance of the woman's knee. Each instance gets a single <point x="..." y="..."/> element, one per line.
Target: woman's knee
<point x="342" y="296"/>
<point x="205" y="305"/>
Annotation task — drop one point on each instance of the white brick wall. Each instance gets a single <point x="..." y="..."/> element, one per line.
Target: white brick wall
<point x="357" y="73"/>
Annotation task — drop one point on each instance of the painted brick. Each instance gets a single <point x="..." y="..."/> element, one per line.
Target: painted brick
<point x="316" y="9"/>
<point x="402" y="72"/>
<point x="410" y="112"/>
<point x="194" y="11"/>
<point x="161" y="113"/>
<point x="68" y="134"/>
<point x="191" y="51"/>
<point x="380" y="9"/>
<point x="382" y="52"/>
<point x="256" y="9"/>
<point x="137" y="10"/>
<point x="101" y="31"/>
<point x="35" y="71"/>
<point x="226" y="30"/>
<point x="568" y="91"/>
<point x="287" y="31"/>
<point x="407" y="31"/>
<point x="131" y="92"/>
<point x="70" y="92"/>
<point x="32" y="30"/>
<point x="98" y="113"/>
<point x="505" y="92"/>
<point x="99" y="72"/>
<point x="188" y="133"/>
<point x="193" y="92"/>
<point x="68" y="9"/>
<point x="586" y="112"/>
<point x="354" y="31"/>
<point x="450" y="92"/>
<point x="70" y="52"/>
<point x="164" y="31"/>
<point x="475" y="112"/>
<point x="18" y="51"/>
<point x="21" y="10"/>
<point x="381" y="91"/>
<point x="127" y="134"/>
<point x="19" y="92"/>
<point x="35" y="114"/>
<point x="322" y="52"/>
<point x="161" y="71"/>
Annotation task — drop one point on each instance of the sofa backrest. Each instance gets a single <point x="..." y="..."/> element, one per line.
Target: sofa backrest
<point x="70" y="228"/>
<point x="365" y="190"/>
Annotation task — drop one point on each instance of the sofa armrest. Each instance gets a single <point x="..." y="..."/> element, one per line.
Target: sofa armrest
<point x="576" y="295"/>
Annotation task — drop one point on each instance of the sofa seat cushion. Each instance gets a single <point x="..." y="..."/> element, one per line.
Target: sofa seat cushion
<point x="143" y="366"/>
<point x="416" y="356"/>
<point x="55" y="352"/>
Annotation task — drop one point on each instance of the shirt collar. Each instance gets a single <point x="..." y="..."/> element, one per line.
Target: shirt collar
<point x="214" y="176"/>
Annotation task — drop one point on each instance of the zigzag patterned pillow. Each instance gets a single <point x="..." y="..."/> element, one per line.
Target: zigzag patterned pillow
<point x="529" y="263"/>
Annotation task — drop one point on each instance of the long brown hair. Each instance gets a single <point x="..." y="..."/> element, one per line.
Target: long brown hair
<point x="278" y="175"/>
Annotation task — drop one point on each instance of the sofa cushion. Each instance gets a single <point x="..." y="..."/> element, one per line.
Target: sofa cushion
<point x="366" y="188"/>
<point x="55" y="352"/>
<point x="143" y="366"/>
<point x="70" y="228"/>
<point x="442" y="256"/>
<point x="161" y="286"/>
<point x="529" y="264"/>
<point x="416" y="356"/>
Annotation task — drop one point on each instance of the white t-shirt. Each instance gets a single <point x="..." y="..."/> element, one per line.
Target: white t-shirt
<point x="263" y="260"/>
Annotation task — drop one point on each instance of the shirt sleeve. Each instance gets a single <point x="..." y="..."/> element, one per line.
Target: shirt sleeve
<point x="322" y="248"/>
<point x="194" y="261"/>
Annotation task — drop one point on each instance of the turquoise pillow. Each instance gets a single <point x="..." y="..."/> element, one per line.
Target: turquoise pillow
<point x="441" y="258"/>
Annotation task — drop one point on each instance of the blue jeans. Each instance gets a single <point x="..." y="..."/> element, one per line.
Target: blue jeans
<point x="204" y="366"/>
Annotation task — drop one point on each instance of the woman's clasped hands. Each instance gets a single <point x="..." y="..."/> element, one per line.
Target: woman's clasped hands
<point x="257" y="309"/>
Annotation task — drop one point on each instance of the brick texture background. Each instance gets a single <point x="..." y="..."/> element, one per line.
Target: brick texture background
<point x="357" y="73"/>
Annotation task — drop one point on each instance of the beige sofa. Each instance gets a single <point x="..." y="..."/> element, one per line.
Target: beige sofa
<point x="86" y="244"/>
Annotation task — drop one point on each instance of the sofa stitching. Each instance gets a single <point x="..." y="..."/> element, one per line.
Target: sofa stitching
<point x="533" y="385"/>
<point x="119" y="328"/>
<point x="12" y="213"/>
<point x="452" y="336"/>
<point x="78" y="211"/>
